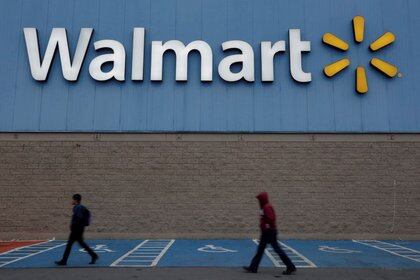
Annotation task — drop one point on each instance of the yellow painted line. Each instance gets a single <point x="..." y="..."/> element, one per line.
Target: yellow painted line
<point x="385" y="67"/>
<point x="332" y="40"/>
<point x="382" y="41"/>
<point x="335" y="67"/>
<point x="361" y="80"/>
<point x="359" y="28"/>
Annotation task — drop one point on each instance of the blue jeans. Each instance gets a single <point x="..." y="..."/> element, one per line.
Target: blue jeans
<point x="270" y="237"/>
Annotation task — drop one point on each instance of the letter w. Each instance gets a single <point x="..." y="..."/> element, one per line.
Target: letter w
<point x="40" y="69"/>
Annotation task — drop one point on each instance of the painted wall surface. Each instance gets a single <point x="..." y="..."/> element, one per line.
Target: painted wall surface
<point x="324" y="105"/>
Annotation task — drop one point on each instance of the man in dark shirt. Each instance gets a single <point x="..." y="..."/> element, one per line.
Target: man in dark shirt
<point x="79" y="221"/>
<point x="269" y="236"/>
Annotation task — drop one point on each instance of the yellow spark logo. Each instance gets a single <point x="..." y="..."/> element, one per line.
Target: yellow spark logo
<point x="359" y="31"/>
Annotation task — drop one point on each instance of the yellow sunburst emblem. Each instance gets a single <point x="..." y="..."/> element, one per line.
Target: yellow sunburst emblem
<point x="359" y="31"/>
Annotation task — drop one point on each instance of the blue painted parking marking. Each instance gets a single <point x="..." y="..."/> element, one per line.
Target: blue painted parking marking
<point x="391" y="248"/>
<point x="358" y="256"/>
<point x="415" y="245"/>
<point x="79" y="258"/>
<point x="220" y="253"/>
<point x="211" y="253"/>
<point x="25" y="252"/>
<point x="297" y="258"/>
<point x="146" y="254"/>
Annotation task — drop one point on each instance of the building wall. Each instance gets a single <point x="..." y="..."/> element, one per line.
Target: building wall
<point x="324" y="105"/>
<point x="197" y="185"/>
<point x="140" y="183"/>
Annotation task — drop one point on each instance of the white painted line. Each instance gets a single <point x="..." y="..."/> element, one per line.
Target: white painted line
<point x="146" y="254"/>
<point x="141" y="257"/>
<point x="139" y="253"/>
<point x="13" y="250"/>
<point x="33" y="254"/>
<point x="308" y="261"/>
<point x="115" y="263"/>
<point x="136" y="261"/>
<point x="151" y="250"/>
<point x="155" y="262"/>
<point x="294" y="255"/>
<point x="153" y="247"/>
<point x="138" y="256"/>
<point x="133" y="265"/>
<point x="377" y="244"/>
<point x="269" y="255"/>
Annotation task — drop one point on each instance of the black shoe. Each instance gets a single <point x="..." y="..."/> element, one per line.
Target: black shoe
<point x="94" y="259"/>
<point x="249" y="270"/>
<point x="60" y="263"/>
<point x="289" y="271"/>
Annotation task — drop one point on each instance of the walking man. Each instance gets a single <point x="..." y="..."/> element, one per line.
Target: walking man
<point x="79" y="220"/>
<point x="268" y="236"/>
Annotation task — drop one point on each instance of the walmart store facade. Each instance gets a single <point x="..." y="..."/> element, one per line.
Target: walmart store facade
<point x="169" y="116"/>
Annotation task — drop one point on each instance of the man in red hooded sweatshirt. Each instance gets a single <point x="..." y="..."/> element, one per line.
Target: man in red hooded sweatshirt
<point x="269" y="236"/>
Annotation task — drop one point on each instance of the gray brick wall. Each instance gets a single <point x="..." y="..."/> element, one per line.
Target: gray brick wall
<point x="203" y="186"/>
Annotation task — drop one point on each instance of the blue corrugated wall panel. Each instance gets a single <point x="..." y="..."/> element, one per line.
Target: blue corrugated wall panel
<point x="324" y="105"/>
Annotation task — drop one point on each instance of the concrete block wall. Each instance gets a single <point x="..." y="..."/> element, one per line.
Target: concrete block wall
<point x="203" y="185"/>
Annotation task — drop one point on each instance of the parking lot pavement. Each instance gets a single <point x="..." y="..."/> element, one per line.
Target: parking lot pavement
<point x="220" y="253"/>
<point x="205" y="273"/>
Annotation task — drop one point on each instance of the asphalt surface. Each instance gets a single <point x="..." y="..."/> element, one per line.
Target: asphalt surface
<point x="219" y="253"/>
<point x="205" y="274"/>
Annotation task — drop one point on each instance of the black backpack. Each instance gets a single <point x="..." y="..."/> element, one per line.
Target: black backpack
<point x="87" y="219"/>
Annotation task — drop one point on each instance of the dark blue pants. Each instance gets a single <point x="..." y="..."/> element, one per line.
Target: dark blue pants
<point x="270" y="237"/>
<point x="76" y="235"/>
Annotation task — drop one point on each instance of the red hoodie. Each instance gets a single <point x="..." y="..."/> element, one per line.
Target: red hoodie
<point x="268" y="216"/>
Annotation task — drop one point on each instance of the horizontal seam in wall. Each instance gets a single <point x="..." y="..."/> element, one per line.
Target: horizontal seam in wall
<point x="210" y="137"/>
